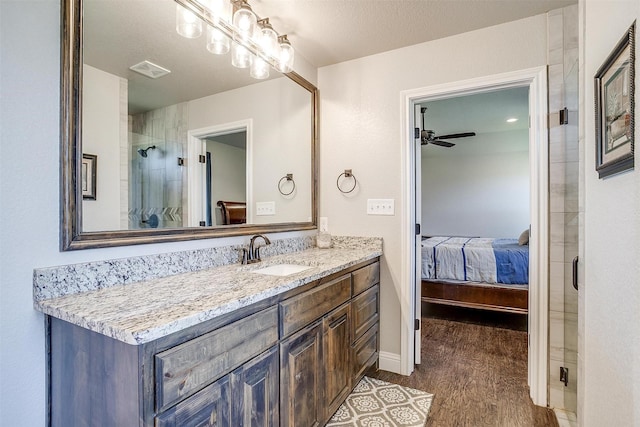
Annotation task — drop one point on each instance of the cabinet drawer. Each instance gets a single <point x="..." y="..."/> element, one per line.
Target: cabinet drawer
<point x="366" y="277"/>
<point x="186" y="368"/>
<point x="365" y="309"/>
<point x="365" y="353"/>
<point x="209" y="407"/>
<point x="303" y="309"/>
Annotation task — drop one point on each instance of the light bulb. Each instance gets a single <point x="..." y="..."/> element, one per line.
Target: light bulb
<point x="217" y="41"/>
<point x="187" y="23"/>
<point x="259" y="68"/>
<point x="240" y="56"/>
<point x="267" y="38"/>
<point x="286" y="54"/>
<point x="245" y="21"/>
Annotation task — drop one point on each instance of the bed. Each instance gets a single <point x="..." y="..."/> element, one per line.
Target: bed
<point x="473" y="272"/>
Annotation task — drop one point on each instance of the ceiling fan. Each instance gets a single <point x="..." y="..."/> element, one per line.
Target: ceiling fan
<point x="430" y="137"/>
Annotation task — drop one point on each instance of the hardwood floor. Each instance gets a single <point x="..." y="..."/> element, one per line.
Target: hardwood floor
<point x="476" y="366"/>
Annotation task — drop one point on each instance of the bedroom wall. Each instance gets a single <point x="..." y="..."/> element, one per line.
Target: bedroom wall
<point x="479" y="189"/>
<point x="609" y="324"/>
<point x="361" y="129"/>
<point x="29" y="199"/>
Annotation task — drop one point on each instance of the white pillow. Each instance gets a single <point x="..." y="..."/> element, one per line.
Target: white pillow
<point x="524" y="238"/>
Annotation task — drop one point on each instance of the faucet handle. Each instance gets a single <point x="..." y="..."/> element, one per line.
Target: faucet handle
<point x="244" y="256"/>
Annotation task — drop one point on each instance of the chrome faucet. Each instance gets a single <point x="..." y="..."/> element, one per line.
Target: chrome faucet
<point x="253" y="254"/>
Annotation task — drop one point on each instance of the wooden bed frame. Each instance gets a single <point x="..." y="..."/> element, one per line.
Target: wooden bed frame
<point x="476" y="295"/>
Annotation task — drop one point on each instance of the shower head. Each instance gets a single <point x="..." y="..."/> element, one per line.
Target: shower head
<point x="143" y="152"/>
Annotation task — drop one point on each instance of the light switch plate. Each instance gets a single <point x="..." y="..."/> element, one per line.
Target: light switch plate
<point x="324" y="224"/>
<point x="380" y="207"/>
<point x="265" y="208"/>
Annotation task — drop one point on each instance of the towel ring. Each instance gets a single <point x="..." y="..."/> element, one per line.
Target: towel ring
<point x="288" y="177"/>
<point x="347" y="174"/>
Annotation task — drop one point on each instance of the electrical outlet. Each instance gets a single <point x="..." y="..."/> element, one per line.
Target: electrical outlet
<point x="265" y="208"/>
<point x="324" y="224"/>
<point x="380" y="207"/>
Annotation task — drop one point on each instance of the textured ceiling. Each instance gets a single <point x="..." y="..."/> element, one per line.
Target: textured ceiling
<point x="326" y="32"/>
<point x="121" y="33"/>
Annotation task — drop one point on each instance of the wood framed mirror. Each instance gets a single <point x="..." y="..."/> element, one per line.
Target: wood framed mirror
<point x="167" y="148"/>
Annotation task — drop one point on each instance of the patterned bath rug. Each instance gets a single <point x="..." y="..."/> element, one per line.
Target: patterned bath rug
<point x="375" y="403"/>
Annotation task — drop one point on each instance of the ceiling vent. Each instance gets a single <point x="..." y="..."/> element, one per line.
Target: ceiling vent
<point x="149" y="69"/>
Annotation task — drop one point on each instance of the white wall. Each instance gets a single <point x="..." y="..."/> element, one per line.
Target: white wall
<point x="361" y="129"/>
<point x="276" y="150"/>
<point x="101" y="132"/>
<point x="29" y="199"/>
<point x="609" y="328"/>
<point x="477" y="189"/>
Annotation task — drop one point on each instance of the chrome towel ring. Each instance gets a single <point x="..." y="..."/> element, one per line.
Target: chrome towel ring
<point x="287" y="178"/>
<point x="347" y="174"/>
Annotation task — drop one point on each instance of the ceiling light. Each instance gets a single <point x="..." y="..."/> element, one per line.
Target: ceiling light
<point x="267" y="38"/>
<point x="187" y="23"/>
<point x="284" y="62"/>
<point x="512" y="120"/>
<point x="217" y="41"/>
<point x="259" y="68"/>
<point x="240" y="56"/>
<point x="244" y="20"/>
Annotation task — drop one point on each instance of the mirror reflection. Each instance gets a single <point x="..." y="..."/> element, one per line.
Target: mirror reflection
<point x="181" y="136"/>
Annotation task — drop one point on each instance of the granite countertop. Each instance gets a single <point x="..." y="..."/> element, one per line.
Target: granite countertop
<point x="144" y="311"/>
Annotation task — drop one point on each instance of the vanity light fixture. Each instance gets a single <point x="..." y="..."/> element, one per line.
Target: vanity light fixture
<point x="253" y="42"/>
<point x="240" y="56"/>
<point x="219" y="11"/>
<point x="512" y="120"/>
<point x="245" y="21"/>
<point x="187" y="23"/>
<point x="285" y="57"/>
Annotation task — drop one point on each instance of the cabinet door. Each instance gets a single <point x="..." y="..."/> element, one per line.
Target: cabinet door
<point x="210" y="407"/>
<point x="255" y="394"/>
<point x="336" y="351"/>
<point x="301" y="378"/>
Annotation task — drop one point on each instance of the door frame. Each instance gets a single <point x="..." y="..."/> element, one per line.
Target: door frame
<point x="195" y="179"/>
<point x="538" y="319"/>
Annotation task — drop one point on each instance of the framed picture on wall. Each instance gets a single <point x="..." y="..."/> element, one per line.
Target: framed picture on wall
<point x="614" y="99"/>
<point x="89" y="163"/>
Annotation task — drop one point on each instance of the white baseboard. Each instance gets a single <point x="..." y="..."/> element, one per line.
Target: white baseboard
<point x="389" y="362"/>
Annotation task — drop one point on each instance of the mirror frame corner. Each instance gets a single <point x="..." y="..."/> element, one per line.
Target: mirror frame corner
<point x="71" y="235"/>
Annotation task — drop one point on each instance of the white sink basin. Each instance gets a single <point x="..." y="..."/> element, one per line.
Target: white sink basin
<point x="281" y="269"/>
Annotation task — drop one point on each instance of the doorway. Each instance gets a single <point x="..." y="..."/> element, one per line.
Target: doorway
<point x="231" y="145"/>
<point x="535" y="80"/>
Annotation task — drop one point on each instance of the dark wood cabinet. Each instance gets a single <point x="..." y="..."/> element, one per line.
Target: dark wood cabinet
<point x="301" y="378"/>
<point x="287" y="361"/>
<point x="210" y="407"/>
<point x="336" y="340"/>
<point x="254" y="392"/>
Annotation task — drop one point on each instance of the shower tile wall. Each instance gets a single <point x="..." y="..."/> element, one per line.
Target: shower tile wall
<point x="563" y="179"/>
<point x="157" y="180"/>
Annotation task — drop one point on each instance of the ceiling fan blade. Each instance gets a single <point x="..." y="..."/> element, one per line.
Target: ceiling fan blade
<point x="442" y="143"/>
<point x="456" y="135"/>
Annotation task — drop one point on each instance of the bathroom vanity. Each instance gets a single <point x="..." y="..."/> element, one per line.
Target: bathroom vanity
<point x="226" y="346"/>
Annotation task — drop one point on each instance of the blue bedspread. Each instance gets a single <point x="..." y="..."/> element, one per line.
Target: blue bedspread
<point x="475" y="259"/>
